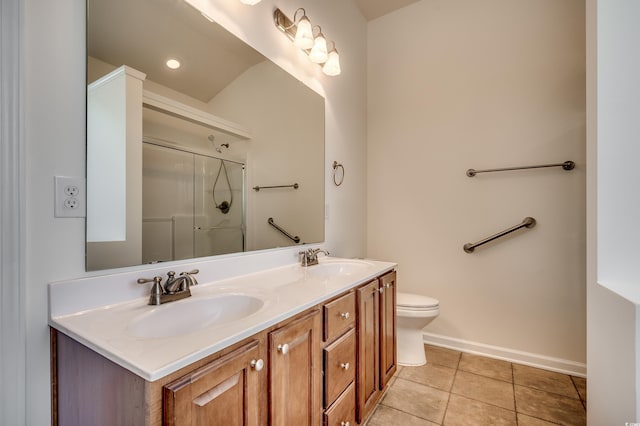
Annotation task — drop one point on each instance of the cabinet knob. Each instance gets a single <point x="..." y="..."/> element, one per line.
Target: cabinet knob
<point x="344" y="315"/>
<point x="381" y="289"/>
<point x="283" y="349"/>
<point x="344" y="366"/>
<point x="344" y="424"/>
<point x="387" y="285"/>
<point x="257" y="364"/>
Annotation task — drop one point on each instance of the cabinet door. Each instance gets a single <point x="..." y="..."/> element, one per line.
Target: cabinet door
<point x="368" y="389"/>
<point x="387" y="328"/>
<point x="225" y="391"/>
<point x="295" y="394"/>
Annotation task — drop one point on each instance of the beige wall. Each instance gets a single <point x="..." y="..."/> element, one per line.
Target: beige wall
<point x="286" y="120"/>
<point x="461" y="84"/>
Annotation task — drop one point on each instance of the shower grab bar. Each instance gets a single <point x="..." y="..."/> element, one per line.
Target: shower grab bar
<point x="527" y="222"/>
<point x="295" y="239"/>
<point x="258" y="188"/>
<point x="212" y="228"/>
<point x="567" y="165"/>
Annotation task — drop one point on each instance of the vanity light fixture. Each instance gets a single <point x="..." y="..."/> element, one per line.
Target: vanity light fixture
<point x="250" y="2"/>
<point x="300" y="31"/>
<point x="303" y="38"/>
<point x="332" y="66"/>
<point x="318" y="53"/>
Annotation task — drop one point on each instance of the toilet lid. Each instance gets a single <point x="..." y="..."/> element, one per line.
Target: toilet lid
<point x="408" y="300"/>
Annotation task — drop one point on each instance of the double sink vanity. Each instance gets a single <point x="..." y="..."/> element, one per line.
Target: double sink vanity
<point x="285" y="345"/>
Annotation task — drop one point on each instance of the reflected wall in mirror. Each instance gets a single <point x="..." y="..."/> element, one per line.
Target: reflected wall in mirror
<point x="173" y="155"/>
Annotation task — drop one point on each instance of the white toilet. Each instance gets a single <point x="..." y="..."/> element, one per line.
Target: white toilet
<point x="413" y="312"/>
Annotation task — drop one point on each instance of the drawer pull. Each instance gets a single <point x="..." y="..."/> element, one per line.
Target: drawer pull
<point x="283" y="349"/>
<point x="257" y="364"/>
<point x="344" y="366"/>
<point x="345" y="315"/>
<point x="344" y="424"/>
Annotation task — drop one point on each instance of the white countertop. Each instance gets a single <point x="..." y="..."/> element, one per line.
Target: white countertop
<point x="285" y="290"/>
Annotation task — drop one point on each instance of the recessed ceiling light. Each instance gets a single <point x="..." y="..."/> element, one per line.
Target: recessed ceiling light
<point x="174" y="64"/>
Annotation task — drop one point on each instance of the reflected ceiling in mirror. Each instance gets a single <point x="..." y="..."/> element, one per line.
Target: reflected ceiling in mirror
<point x="173" y="155"/>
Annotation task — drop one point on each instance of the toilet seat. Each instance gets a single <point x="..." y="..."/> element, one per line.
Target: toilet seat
<point x="416" y="302"/>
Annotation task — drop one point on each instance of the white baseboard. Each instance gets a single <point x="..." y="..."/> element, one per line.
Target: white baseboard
<point x="519" y="357"/>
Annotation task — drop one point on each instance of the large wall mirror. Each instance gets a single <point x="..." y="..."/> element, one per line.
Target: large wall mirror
<point x="223" y="154"/>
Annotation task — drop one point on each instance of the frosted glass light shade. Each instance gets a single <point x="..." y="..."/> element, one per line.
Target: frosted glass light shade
<point x="318" y="52"/>
<point x="332" y="66"/>
<point x="251" y="2"/>
<point x="304" y="34"/>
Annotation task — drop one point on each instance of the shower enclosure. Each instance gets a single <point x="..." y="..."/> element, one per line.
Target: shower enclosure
<point x="193" y="204"/>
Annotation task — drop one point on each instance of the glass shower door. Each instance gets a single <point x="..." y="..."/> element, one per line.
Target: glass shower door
<point x="218" y="206"/>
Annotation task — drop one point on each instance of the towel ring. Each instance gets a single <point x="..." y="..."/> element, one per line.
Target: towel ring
<point x="338" y="181"/>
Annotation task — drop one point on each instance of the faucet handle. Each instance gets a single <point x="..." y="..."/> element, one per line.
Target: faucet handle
<point x="156" y="289"/>
<point x="149" y="280"/>
<point x="190" y="276"/>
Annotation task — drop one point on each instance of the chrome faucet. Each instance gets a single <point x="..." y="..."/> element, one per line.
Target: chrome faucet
<point x="174" y="288"/>
<point x="310" y="256"/>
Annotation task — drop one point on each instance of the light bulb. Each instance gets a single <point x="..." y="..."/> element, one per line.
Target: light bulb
<point x="318" y="52"/>
<point x="304" y="34"/>
<point x="332" y="66"/>
<point x="173" y="64"/>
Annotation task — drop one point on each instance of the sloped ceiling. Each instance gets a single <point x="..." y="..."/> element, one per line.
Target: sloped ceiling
<point x="372" y="9"/>
<point x="143" y="34"/>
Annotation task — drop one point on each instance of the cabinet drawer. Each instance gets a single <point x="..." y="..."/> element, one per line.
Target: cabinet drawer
<point x="339" y="316"/>
<point x="343" y="412"/>
<point x="339" y="366"/>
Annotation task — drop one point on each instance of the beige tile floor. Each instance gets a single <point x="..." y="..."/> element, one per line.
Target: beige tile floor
<point x="456" y="388"/>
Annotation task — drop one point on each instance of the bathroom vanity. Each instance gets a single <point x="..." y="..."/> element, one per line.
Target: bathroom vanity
<point x="318" y="347"/>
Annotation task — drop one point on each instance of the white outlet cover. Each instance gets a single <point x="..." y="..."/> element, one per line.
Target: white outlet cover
<point x="70" y="196"/>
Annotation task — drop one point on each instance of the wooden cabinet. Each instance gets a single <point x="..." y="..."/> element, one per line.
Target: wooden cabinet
<point x="368" y="386"/>
<point x="388" y="353"/>
<point x="339" y="361"/>
<point x="225" y="391"/>
<point x="376" y="341"/>
<point x="339" y="316"/>
<point x="343" y="411"/>
<point x="339" y="366"/>
<point x="295" y="380"/>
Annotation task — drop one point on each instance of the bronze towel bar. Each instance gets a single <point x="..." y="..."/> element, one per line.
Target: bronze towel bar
<point x="295" y="239"/>
<point x="527" y="222"/>
<point x="567" y="165"/>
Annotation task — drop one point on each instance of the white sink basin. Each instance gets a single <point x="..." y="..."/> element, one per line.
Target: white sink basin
<point x="193" y="314"/>
<point x="332" y="269"/>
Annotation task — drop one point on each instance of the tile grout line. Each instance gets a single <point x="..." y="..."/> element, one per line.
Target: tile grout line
<point x="513" y="386"/>
<point x="512" y="365"/>
<point x="455" y="374"/>
<point x="584" y="403"/>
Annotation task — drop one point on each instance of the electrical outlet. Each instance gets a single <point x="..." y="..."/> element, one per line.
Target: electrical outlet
<point x="69" y="195"/>
<point x="71" y="190"/>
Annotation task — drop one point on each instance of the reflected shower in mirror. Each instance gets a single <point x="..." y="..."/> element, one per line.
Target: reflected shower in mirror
<point x="172" y="154"/>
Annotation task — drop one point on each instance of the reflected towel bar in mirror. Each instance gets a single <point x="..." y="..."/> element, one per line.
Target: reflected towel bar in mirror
<point x="567" y="165"/>
<point x="258" y="188"/>
<point x="295" y="239"/>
